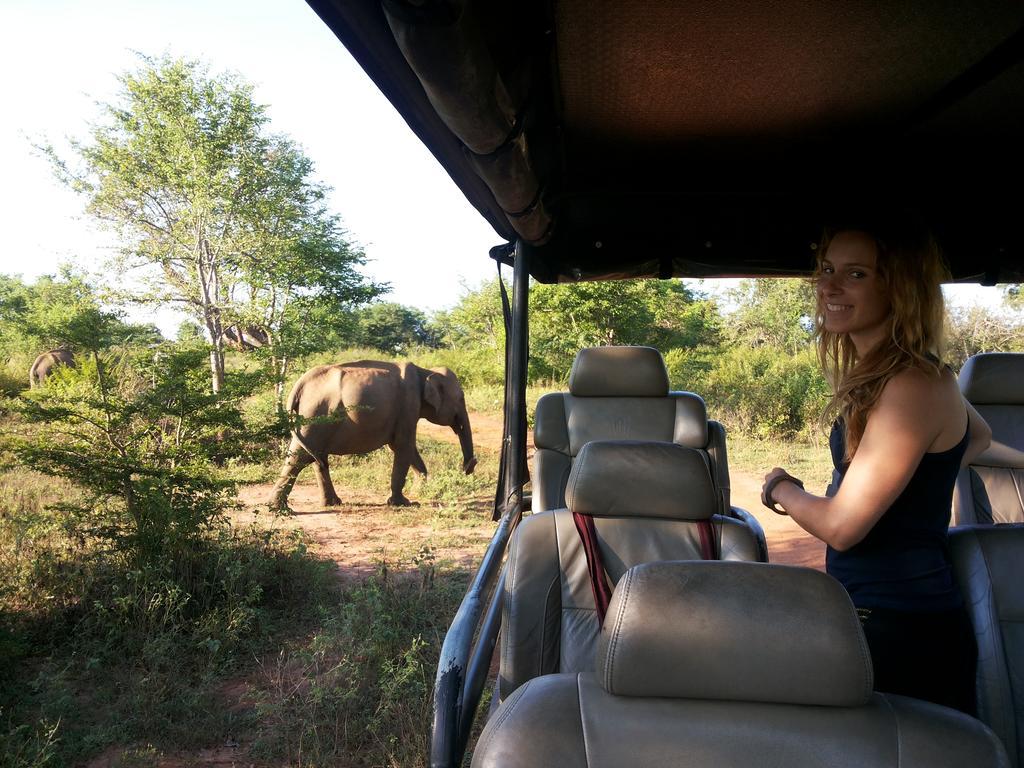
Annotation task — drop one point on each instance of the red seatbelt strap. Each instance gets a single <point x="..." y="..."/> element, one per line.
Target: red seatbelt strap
<point x="595" y="565"/>
<point x="708" y="548"/>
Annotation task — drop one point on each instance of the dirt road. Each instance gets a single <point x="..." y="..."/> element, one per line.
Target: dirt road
<point x="365" y="531"/>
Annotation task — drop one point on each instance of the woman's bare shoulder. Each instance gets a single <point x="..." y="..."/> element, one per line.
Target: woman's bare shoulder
<point x="917" y="384"/>
<point x="921" y="396"/>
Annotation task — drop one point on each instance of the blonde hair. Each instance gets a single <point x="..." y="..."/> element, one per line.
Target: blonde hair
<point x="911" y="270"/>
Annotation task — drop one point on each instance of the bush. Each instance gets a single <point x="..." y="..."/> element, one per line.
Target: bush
<point x="475" y="366"/>
<point x="766" y="393"/>
<point x="378" y="643"/>
<point x="688" y="369"/>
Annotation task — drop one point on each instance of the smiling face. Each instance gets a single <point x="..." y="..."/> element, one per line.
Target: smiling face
<point x="852" y="296"/>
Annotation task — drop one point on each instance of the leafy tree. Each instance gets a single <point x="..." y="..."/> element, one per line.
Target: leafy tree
<point x="138" y="437"/>
<point x="775" y="312"/>
<point x="565" y="318"/>
<point x="62" y="311"/>
<point x="660" y="313"/>
<point x="220" y="216"/>
<point x="392" y="328"/>
<point x="1013" y="297"/>
<point x="476" y="320"/>
<point x="189" y="332"/>
<point x="976" y="329"/>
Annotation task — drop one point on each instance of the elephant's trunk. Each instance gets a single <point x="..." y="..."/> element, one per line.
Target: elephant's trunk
<point x="465" y="433"/>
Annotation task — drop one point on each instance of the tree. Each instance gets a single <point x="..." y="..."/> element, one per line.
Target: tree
<point x="63" y="310"/>
<point x="138" y="438"/>
<point x="392" y="328"/>
<point x="661" y="313"/>
<point x="970" y="330"/>
<point x="775" y="312"/>
<point x="476" y="320"/>
<point x="220" y="216"/>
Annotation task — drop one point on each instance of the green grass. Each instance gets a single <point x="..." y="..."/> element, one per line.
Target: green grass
<point x="97" y="652"/>
<point x="809" y="461"/>
<point x="357" y="691"/>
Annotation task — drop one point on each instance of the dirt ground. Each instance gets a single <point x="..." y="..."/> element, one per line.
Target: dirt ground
<point x="365" y="530"/>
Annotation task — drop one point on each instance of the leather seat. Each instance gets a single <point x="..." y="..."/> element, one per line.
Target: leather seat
<point x="728" y="664"/>
<point x="622" y="393"/>
<point x="647" y="501"/>
<point x="989" y="564"/>
<point x="991" y="489"/>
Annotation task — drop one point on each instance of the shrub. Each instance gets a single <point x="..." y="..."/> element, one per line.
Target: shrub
<point x="765" y="392"/>
<point x="688" y="369"/>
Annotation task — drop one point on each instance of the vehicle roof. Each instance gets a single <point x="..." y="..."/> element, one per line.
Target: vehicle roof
<point x="711" y="138"/>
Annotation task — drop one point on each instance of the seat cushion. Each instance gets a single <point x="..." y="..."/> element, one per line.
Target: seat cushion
<point x="989" y="565"/>
<point x="569" y="721"/>
<point x="651" y="644"/>
<point x="991" y="490"/>
<point x="618" y="372"/>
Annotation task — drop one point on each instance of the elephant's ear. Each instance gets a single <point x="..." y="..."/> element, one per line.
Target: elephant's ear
<point x="432" y="391"/>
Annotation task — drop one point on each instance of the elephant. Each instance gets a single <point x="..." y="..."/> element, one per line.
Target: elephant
<point x="47" y="362"/>
<point x="245" y="337"/>
<point x="359" y="407"/>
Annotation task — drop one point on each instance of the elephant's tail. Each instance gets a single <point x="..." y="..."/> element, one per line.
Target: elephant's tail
<point x="293" y="409"/>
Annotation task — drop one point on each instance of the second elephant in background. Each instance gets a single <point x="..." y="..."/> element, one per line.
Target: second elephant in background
<point x="359" y="407"/>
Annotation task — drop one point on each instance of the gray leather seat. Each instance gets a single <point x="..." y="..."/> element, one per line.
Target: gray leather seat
<point x="645" y="499"/>
<point x="728" y="664"/>
<point x="991" y="490"/>
<point x="989" y="564"/>
<point x="622" y="393"/>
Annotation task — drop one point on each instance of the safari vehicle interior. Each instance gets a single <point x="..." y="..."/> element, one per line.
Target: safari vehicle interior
<point x="633" y="139"/>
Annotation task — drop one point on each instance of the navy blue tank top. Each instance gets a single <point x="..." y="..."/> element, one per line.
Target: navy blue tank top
<point x="903" y="563"/>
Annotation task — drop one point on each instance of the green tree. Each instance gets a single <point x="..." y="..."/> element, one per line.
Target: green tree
<point x="138" y="438"/>
<point x="776" y="312"/>
<point x="392" y="328"/>
<point x="219" y="216"/>
<point x="565" y="318"/>
<point x="476" y="320"/>
<point x="63" y="310"/>
<point x="661" y="313"/>
<point x="970" y="330"/>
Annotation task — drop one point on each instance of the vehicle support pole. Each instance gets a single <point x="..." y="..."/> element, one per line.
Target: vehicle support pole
<point x="452" y="721"/>
<point x="515" y="398"/>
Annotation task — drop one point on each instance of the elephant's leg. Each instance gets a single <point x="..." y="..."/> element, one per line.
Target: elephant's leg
<point x="328" y="496"/>
<point x="297" y="459"/>
<point x="404" y="457"/>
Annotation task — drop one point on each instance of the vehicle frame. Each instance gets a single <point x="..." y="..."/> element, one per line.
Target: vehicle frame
<point x="690" y="139"/>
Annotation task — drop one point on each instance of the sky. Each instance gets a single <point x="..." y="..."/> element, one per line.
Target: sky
<point x="60" y="59"/>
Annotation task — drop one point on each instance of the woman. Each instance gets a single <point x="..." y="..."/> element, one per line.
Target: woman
<point x="903" y="431"/>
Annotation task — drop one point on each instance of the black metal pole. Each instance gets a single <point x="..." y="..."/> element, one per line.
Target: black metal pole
<point x="515" y="395"/>
<point x="453" y="710"/>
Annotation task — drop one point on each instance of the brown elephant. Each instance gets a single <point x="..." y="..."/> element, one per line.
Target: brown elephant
<point x="47" y="362"/>
<point x="245" y="337"/>
<point x="359" y="407"/>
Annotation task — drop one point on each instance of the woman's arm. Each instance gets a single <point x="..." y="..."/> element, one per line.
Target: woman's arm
<point x="900" y="428"/>
<point x="980" y="435"/>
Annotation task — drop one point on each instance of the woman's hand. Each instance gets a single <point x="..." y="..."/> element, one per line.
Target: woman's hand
<point x="772" y="481"/>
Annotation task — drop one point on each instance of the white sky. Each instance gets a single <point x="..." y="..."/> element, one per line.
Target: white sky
<point x="59" y="58"/>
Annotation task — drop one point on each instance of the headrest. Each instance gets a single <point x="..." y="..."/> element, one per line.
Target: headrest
<point x="618" y="372"/>
<point x="993" y="378"/>
<point x="733" y="631"/>
<point x="631" y="478"/>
